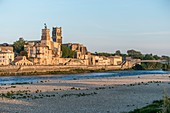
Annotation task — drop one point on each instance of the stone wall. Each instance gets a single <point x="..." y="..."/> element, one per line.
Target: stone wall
<point x="11" y="68"/>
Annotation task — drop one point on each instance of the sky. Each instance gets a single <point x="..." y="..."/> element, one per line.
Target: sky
<point x="101" y="25"/>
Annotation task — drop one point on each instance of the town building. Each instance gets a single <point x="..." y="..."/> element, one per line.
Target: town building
<point x="6" y="54"/>
<point x="82" y="56"/>
<point x="100" y="60"/>
<point x="80" y="49"/>
<point x="46" y="51"/>
<point x="116" y="60"/>
<point x="21" y="60"/>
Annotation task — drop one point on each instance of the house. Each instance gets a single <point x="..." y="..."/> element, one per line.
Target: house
<point x="21" y="60"/>
<point x="6" y="54"/>
<point x="116" y="60"/>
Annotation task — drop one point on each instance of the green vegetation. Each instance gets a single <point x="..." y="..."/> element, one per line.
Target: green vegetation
<point x="161" y="106"/>
<point x="166" y="103"/>
<point x="78" y="95"/>
<point x="118" y="53"/>
<point x="102" y="54"/>
<point x="135" y="54"/>
<point x="67" y="52"/>
<point x="151" y="65"/>
<point x="25" y="94"/>
<point x="19" y="47"/>
<point x="155" y="107"/>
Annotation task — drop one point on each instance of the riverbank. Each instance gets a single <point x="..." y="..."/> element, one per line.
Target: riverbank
<point x="52" y="70"/>
<point x="99" y="95"/>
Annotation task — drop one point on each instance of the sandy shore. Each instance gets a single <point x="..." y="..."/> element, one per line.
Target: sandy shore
<point x="102" y="95"/>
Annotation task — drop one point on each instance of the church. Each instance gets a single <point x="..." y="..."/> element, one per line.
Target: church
<point x="46" y="51"/>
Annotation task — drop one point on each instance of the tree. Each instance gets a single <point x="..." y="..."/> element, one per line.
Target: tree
<point x="103" y="54"/>
<point x="135" y="54"/>
<point x="67" y="52"/>
<point x="19" y="46"/>
<point x="138" y="67"/>
<point x="23" y="53"/>
<point x="148" y="57"/>
<point x="118" y="53"/>
<point x="165" y="57"/>
<point x="156" y="57"/>
<point x="151" y="65"/>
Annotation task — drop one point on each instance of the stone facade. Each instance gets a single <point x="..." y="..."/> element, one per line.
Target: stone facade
<point x="81" y="50"/>
<point x="81" y="54"/>
<point x="100" y="60"/>
<point x="6" y="54"/>
<point x="47" y="50"/>
<point x="21" y="60"/>
<point x="116" y="60"/>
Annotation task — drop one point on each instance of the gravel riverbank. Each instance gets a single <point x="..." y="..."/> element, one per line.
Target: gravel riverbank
<point x="99" y="95"/>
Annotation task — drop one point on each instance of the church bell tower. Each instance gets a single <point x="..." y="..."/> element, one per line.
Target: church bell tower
<point x="57" y="38"/>
<point x="45" y="37"/>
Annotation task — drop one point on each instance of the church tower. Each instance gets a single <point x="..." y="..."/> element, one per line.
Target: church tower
<point x="57" y="38"/>
<point x="45" y="37"/>
<point x="57" y="34"/>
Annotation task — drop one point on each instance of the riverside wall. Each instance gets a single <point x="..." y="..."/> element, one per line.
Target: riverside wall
<point x="42" y="68"/>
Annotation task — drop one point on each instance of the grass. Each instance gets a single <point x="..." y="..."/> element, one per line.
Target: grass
<point x="25" y="94"/>
<point x="78" y="95"/>
<point x="161" y="106"/>
<point x="155" y="107"/>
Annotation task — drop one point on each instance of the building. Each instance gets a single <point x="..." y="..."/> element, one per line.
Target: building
<point x="81" y="53"/>
<point x="47" y="50"/>
<point x="21" y="60"/>
<point x="100" y="60"/>
<point x="116" y="60"/>
<point x="80" y="49"/>
<point x="6" y="54"/>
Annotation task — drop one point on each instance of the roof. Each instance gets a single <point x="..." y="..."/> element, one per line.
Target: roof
<point x="18" y="58"/>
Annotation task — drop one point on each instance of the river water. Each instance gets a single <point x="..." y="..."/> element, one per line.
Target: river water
<point x="33" y="79"/>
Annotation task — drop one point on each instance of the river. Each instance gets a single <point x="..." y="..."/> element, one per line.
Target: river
<point x="33" y="79"/>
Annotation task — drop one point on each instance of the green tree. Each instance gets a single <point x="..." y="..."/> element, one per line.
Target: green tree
<point x="67" y="52"/>
<point x="151" y="65"/>
<point x="118" y="53"/>
<point x="156" y="57"/>
<point x="19" y="46"/>
<point x="135" y="54"/>
<point x="165" y="57"/>
<point x="103" y="54"/>
<point x="148" y="57"/>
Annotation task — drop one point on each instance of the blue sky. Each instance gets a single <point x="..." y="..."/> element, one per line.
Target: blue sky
<point x="101" y="25"/>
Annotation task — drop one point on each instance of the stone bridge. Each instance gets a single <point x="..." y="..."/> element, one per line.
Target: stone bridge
<point x="133" y="62"/>
<point x="140" y="61"/>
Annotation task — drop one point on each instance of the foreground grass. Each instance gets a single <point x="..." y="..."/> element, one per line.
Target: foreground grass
<point x="161" y="106"/>
<point x="155" y="107"/>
